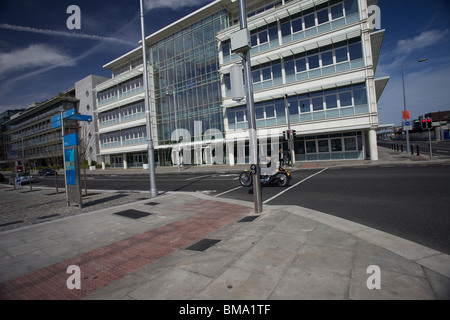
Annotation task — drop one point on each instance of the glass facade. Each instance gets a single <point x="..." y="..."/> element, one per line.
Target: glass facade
<point x="338" y="57"/>
<point x="186" y="77"/>
<point x="327" y="147"/>
<point x="324" y="104"/>
<point x="191" y="84"/>
<point x="330" y="15"/>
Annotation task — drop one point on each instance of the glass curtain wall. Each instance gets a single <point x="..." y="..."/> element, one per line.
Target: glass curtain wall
<point x="187" y="81"/>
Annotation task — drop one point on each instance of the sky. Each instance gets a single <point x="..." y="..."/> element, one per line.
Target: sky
<point x="41" y="57"/>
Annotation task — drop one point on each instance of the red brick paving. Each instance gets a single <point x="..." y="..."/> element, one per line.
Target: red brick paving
<point x="104" y="265"/>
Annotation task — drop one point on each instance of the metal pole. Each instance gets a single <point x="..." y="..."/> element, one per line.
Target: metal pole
<point x="64" y="159"/>
<point x="253" y="139"/>
<point x="404" y="107"/>
<point x="151" y="155"/>
<point x="429" y="141"/>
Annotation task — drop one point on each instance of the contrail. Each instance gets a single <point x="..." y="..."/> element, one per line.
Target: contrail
<point x="66" y="34"/>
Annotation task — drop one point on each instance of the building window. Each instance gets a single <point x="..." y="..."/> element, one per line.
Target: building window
<point x="134" y="135"/>
<point x="351" y="7"/>
<point x="330" y="59"/>
<point x="324" y="104"/>
<point x="267" y="75"/>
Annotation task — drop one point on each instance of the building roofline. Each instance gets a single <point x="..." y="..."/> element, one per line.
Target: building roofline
<point x="63" y="96"/>
<point x="170" y="29"/>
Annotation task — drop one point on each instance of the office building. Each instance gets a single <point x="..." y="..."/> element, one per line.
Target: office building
<point x="30" y="139"/>
<point x="313" y="71"/>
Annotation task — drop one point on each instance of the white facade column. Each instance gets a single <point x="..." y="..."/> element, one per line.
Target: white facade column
<point x="230" y="153"/>
<point x="124" y="159"/>
<point x="373" y="145"/>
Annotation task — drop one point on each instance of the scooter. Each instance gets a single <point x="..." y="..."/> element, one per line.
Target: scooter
<point x="280" y="177"/>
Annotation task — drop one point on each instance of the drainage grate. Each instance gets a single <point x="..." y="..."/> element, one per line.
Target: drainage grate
<point x="248" y="219"/>
<point x="152" y="203"/>
<point x="203" y="244"/>
<point x="49" y="216"/>
<point x="133" y="214"/>
<point x="10" y="223"/>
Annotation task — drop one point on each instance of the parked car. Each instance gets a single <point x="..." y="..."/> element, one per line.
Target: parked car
<point x="24" y="177"/>
<point x="46" y="172"/>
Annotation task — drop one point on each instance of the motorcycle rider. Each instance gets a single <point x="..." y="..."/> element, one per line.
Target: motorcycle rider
<point x="269" y="169"/>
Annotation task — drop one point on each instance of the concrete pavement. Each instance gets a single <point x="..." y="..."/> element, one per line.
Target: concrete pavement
<point x="192" y="246"/>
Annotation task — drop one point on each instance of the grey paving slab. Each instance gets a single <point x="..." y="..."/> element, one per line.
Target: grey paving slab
<point x="172" y="284"/>
<point x="288" y="253"/>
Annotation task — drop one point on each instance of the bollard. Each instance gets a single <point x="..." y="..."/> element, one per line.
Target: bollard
<point x="412" y="150"/>
<point x="401" y="148"/>
<point x="418" y="153"/>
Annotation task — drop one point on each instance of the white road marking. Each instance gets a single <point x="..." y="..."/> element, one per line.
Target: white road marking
<point x="197" y="177"/>
<point x="217" y="195"/>
<point x="293" y="186"/>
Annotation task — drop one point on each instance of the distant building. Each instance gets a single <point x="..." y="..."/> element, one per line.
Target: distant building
<point x="85" y="93"/>
<point x="31" y="141"/>
<point x="29" y="138"/>
<point x="441" y="124"/>
<point x="4" y="117"/>
<point x="318" y="57"/>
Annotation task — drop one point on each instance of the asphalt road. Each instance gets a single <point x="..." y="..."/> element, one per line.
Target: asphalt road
<point x="409" y="202"/>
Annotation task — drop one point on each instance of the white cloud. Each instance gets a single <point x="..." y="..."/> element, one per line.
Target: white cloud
<point x="425" y="39"/>
<point x="66" y="34"/>
<point x="426" y="91"/>
<point x="173" y="4"/>
<point x="34" y="56"/>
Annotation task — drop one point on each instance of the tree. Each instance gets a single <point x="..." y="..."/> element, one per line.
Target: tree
<point x="86" y="145"/>
<point x="53" y="154"/>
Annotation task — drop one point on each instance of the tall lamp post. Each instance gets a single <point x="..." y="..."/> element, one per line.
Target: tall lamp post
<point x="408" y="148"/>
<point x="151" y="155"/>
<point x="240" y="44"/>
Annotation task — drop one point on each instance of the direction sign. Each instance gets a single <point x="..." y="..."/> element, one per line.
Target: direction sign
<point x="80" y="117"/>
<point x="68" y="113"/>
<point x="56" y="121"/>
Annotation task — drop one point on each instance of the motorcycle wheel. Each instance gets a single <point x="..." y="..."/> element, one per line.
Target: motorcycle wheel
<point x="282" y="180"/>
<point x="245" y="179"/>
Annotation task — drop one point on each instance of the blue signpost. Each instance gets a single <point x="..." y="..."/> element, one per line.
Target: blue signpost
<point x="70" y="155"/>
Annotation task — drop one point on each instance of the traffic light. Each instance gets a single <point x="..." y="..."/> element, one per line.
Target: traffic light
<point x="429" y="123"/>
<point x="286" y="134"/>
<point x="294" y="134"/>
<point x="424" y="123"/>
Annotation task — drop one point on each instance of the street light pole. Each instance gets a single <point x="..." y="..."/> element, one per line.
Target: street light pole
<point x="151" y="155"/>
<point x="408" y="148"/>
<point x="253" y="139"/>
